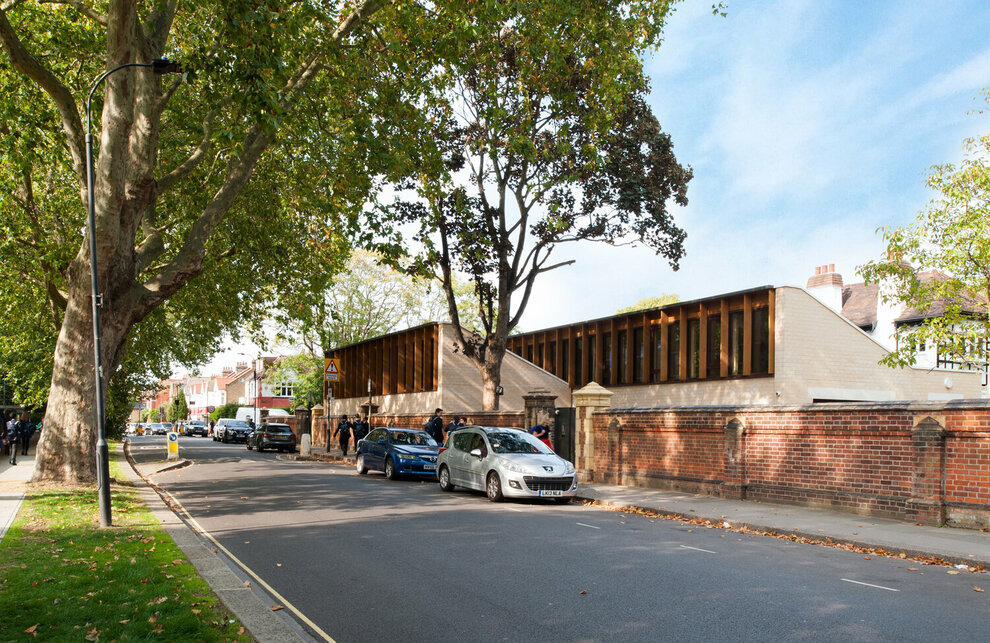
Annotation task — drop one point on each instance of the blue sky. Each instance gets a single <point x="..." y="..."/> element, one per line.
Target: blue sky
<point x="809" y="124"/>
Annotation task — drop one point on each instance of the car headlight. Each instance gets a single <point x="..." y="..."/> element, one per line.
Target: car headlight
<point x="569" y="468"/>
<point x="407" y="456"/>
<point x="512" y="466"/>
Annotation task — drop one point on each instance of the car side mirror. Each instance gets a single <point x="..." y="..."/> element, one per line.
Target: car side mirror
<point x="476" y="453"/>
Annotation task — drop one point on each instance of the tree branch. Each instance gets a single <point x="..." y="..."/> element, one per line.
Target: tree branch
<point x="82" y="8"/>
<point x="190" y="164"/>
<point x="28" y="65"/>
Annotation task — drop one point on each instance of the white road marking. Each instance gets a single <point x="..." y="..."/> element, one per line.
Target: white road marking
<point x="889" y="589"/>
<point x="707" y="551"/>
<point x="588" y="526"/>
<point x="514" y="509"/>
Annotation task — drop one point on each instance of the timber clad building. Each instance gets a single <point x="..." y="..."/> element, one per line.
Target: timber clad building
<point x="769" y="345"/>
<point x="730" y="336"/>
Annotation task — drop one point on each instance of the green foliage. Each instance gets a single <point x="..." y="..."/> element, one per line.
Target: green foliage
<point x="52" y="550"/>
<point x="367" y="299"/>
<point x="951" y="236"/>
<point x="305" y="372"/>
<point x="650" y="302"/>
<point x="546" y="139"/>
<point x="152" y="415"/>
<point x="228" y="410"/>
<point x="178" y="409"/>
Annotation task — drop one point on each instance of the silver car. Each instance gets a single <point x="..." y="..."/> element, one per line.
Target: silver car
<point x="504" y="463"/>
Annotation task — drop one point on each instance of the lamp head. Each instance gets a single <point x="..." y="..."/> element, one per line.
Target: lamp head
<point x="165" y="66"/>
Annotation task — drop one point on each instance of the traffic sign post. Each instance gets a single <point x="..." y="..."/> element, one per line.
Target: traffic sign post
<point x="331" y="370"/>
<point x="173" y="445"/>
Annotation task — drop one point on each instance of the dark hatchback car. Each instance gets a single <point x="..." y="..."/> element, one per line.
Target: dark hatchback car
<point x="272" y="436"/>
<point x="398" y="452"/>
<point x="232" y="431"/>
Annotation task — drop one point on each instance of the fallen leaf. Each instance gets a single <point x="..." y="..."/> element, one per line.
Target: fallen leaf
<point x="866" y="558"/>
<point x="153" y="619"/>
<point x="240" y="631"/>
<point x="214" y="549"/>
<point x="912" y="569"/>
<point x="902" y="555"/>
<point x="31" y="629"/>
<point x="244" y="498"/>
<point x="276" y="608"/>
<point x="196" y="611"/>
<point x="177" y="561"/>
<point x="247" y="542"/>
<point x="158" y="629"/>
<point x="583" y="591"/>
<point x="278" y="564"/>
<point x="247" y="583"/>
<point x="125" y="621"/>
<point x="952" y="571"/>
<point x="977" y="589"/>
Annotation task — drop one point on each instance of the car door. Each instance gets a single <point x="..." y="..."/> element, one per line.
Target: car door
<point x="474" y="467"/>
<point x="375" y="455"/>
<point x="456" y="458"/>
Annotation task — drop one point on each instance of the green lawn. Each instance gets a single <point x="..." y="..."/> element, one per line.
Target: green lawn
<point x="63" y="578"/>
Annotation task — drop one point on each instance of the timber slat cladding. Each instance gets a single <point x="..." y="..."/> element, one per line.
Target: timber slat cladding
<point x="404" y="362"/>
<point x="607" y="350"/>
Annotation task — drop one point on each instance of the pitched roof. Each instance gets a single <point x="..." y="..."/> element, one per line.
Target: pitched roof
<point x="859" y="303"/>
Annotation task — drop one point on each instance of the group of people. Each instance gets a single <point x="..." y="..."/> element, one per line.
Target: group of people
<point x="347" y="428"/>
<point x="17" y="434"/>
<point x="357" y="428"/>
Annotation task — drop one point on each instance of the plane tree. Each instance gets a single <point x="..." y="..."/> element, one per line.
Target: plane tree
<point x="217" y="192"/>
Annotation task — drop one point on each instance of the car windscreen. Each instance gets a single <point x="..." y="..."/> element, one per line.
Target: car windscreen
<point x="414" y="438"/>
<point x="513" y="442"/>
<point x="239" y="425"/>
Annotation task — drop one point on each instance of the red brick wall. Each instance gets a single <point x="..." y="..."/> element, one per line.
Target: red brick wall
<point x="875" y="459"/>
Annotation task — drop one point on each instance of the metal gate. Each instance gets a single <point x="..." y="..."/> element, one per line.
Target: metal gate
<point x="564" y="431"/>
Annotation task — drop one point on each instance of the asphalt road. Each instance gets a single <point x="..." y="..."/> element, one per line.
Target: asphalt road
<point x="369" y="559"/>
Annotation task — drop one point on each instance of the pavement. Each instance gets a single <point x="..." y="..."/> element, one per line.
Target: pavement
<point x="961" y="547"/>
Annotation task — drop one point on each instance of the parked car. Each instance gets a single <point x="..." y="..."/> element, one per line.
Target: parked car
<point x="504" y="462"/>
<point x="397" y="452"/>
<point x="196" y="427"/>
<point x="230" y="430"/>
<point x="156" y="428"/>
<point x="272" y="436"/>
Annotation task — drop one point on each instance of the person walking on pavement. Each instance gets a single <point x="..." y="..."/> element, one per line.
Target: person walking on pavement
<point x="8" y="421"/>
<point x="344" y="429"/>
<point x="434" y="426"/>
<point x="26" y="434"/>
<point x="361" y="429"/>
<point x="14" y="433"/>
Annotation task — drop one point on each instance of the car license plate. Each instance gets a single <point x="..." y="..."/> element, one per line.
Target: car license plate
<point x="546" y="493"/>
<point x="429" y="467"/>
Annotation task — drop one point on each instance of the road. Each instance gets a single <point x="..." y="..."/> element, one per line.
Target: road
<point x="365" y="558"/>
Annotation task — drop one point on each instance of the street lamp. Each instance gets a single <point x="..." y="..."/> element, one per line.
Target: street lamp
<point x="160" y="66"/>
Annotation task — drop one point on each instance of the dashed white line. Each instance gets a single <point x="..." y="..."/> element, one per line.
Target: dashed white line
<point x="588" y="526"/>
<point x="707" y="551"/>
<point x="889" y="589"/>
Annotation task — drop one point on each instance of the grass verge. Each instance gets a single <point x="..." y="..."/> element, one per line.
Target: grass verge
<point x="64" y="578"/>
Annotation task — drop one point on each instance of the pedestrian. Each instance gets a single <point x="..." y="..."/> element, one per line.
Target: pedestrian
<point x="434" y="426"/>
<point x="361" y="429"/>
<point x="456" y="423"/>
<point x="212" y="424"/>
<point x="344" y="429"/>
<point x="541" y="433"/>
<point x="14" y="433"/>
<point x="26" y="434"/>
<point x="9" y="420"/>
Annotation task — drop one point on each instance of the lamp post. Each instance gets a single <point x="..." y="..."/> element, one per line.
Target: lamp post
<point x="160" y="66"/>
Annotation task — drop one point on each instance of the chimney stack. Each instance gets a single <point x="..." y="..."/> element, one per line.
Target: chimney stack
<point x="826" y="286"/>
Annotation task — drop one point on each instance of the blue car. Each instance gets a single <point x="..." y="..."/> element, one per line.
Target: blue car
<point x="398" y="452"/>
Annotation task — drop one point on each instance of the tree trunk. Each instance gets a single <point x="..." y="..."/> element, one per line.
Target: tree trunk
<point x="67" y="448"/>
<point x="491" y="375"/>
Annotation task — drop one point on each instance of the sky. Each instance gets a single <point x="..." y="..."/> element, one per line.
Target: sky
<point x="808" y="124"/>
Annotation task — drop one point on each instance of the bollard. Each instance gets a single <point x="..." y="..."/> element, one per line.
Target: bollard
<point x="306" y="445"/>
<point x="173" y="446"/>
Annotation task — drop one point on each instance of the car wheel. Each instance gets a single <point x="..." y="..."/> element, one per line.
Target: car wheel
<point x="443" y="477"/>
<point x="494" y="487"/>
<point x="390" y="469"/>
<point x="225" y="439"/>
<point x="260" y="447"/>
<point x="359" y="465"/>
